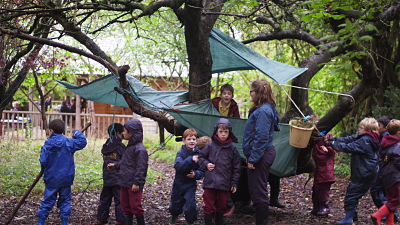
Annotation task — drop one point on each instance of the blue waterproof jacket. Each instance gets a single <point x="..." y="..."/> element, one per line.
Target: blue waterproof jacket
<point x="259" y="131"/>
<point x="57" y="158"/>
<point x="364" y="151"/>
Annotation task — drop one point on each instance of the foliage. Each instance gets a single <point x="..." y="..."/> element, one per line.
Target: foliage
<point x="342" y="165"/>
<point x="167" y="153"/>
<point x="391" y="107"/>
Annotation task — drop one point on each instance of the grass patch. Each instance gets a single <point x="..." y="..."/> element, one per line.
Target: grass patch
<point x="167" y="153"/>
<point x="20" y="165"/>
<point x="342" y="165"/>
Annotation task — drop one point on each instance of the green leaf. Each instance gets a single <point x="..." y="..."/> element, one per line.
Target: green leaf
<point x="366" y="38"/>
<point x="370" y="27"/>
<point x="333" y="49"/>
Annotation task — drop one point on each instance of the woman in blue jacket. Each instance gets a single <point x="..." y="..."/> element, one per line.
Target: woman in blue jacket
<point x="257" y="145"/>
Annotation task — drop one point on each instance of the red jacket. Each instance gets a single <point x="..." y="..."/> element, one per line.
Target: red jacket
<point x="324" y="163"/>
<point x="233" y="108"/>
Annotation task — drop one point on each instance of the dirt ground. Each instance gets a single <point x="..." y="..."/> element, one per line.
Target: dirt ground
<point x="157" y="196"/>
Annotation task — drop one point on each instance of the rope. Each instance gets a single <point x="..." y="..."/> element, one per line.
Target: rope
<point x="293" y="102"/>
<point x="328" y="92"/>
<point x="200" y="85"/>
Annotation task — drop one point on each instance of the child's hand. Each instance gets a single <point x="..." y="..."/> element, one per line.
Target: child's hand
<point x="191" y="174"/>
<point x="110" y="166"/>
<point x="210" y="167"/>
<point x="233" y="189"/>
<point x="135" y="188"/>
<point x="324" y="148"/>
<point x="195" y="158"/>
<point x="250" y="166"/>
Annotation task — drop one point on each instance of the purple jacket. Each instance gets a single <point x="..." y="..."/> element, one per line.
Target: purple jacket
<point x="134" y="162"/>
<point x="324" y="163"/>
<point x="233" y="108"/>
<point x="390" y="157"/>
<point x="226" y="159"/>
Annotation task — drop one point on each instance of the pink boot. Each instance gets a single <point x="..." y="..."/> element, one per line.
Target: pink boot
<point x="378" y="215"/>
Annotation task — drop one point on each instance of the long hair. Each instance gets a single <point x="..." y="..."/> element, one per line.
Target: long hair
<point x="263" y="91"/>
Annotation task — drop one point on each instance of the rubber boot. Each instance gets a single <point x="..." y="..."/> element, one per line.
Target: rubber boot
<point x="219" y="219"/>
<point x="128" y="219"/>
<point x="140" y="220"/>
<point x="390" y="219"/>
<point x="316" y="208"/>
<point x="208" y="219"/>
<point x="348" y="218"/>
<point x="172" y="220"/>
<point x="262" y="215"/>
<point x="275" y="203"/>
<point x="64" y="221"/>
<point x="324" y="211"/>
<point x="378" y="215"/>
<point x="41" y="220"/>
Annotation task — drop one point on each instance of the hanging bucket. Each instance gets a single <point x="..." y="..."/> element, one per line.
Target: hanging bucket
<point x="299" y="136"/>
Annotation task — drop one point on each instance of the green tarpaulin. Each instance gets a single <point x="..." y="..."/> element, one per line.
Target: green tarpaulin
<point x="229" y="54"/>
<point x="285" y="163"/>
<point x="102" y="90"/>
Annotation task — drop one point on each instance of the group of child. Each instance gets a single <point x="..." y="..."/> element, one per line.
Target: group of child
<point x="218" y="163"/>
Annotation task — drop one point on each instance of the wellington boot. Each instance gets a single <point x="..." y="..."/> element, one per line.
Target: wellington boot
<point x="208" y="219"/>
<point x="277" y="204"/>
<point x="262" y="215"/>
<point x="41" y="220"/>
<point x="390" y="219"/>
<point x="378" y="215"/>
<point x="219" y="219"/>
<point x="64" y="222"/>
<point x="128" y="219"/>
<point x="348" y="218"/>
<point x="140" y="220"/>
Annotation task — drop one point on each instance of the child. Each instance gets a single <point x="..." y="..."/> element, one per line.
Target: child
<point x="221" y="161"/>
<point x="112" y="152"/>
<point x="324" y="176"/>
<point x="133" y="171"/>
<point x="225" y="104"/>
<point x="203" y="141"/>
<point x="57" y="162"/>
<point x="183" y="196"/>
<point x="364" y="150"/>
<point x="390" y="173"/>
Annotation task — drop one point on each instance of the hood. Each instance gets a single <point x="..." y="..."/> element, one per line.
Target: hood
<point x="134" y="127"/>
<point x="228" y="123"/>
<point x="109" y="146"/>
<point x="374" y="135"/>
<point x="56" y="141"/>
<point x="389" y="140"/>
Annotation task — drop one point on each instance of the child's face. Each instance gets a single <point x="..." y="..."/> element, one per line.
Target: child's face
<point x="190" y="141"/>
<point x="361" y="130"/>
<point x="222" y="134"/>
<point x="382" y="128"/>
<point x="226" y="96"/>
<point x="126" y="135"/>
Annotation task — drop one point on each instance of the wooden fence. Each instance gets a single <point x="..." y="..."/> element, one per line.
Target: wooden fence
<point x="29" y="125"/>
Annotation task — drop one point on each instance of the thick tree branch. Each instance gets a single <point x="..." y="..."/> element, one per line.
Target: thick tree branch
<point x="287" y="34"/>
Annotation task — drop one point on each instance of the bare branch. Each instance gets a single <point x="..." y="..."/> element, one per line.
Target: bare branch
<point x="287" y="34"/>
<point x="58" y="45"/>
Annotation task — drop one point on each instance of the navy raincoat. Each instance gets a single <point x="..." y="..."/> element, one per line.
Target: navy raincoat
<point x="134" y="162"/>
<point x="112" y="153"/>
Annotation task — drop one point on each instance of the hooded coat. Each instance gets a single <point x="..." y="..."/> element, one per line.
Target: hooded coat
<point x="112" y="153"/>
<point x="57" y="158"/>
<point x="390" y="170"/>
<point x="364" y="150"/>
<point x="226" y="159"/>
<point x="324" y="162"/>
<point x="134" y="162"/>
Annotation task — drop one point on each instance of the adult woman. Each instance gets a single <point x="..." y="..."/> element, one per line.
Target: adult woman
<point x="257" y="145"/>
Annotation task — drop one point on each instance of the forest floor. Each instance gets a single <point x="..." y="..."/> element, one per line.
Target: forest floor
<point x="157" y="196"/>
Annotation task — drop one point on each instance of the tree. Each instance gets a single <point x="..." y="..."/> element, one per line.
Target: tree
<point x="72" y="19"/>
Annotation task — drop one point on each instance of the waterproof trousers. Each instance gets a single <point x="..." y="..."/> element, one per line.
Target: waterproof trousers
<point x="108" y="193"/>
<point x="393" y="197"/>
<point x="63" y="202"/>
<point x="131" y="202"/>
<point x="184" y="200"/>
<point x="355" y="191"/>
<point x="215" y="201"/>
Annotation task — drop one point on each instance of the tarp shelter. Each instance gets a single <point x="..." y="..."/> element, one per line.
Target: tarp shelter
<point x="228" y="54"/>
